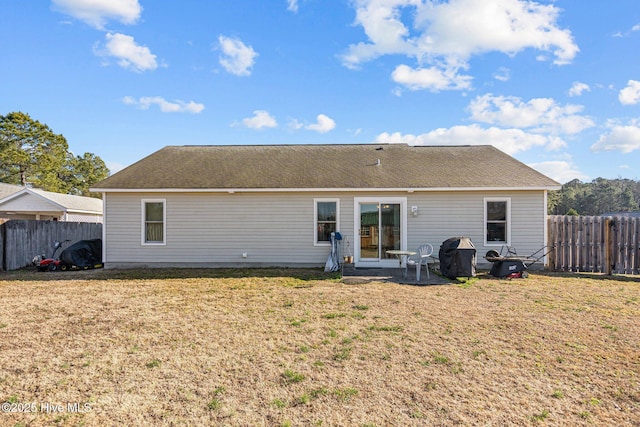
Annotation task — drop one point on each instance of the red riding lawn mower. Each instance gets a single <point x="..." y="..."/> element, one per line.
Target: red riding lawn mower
<point x="82" y="255"/>
<point x="52" y="263"/>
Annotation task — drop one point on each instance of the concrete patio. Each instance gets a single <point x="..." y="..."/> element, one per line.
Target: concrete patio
<point x="352" y="275"/>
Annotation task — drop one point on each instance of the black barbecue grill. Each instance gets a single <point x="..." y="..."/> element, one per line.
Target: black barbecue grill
<point x="457" y="258"/>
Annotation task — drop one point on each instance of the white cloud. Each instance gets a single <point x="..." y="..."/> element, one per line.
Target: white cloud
<point x="165" y="106"/>
<point x="503" y="74"/>
<point x="630" y="95"/>
<point x="445" y="35"/>
<point x="292" y="6"/>
<point x="578" y="88"/>
<point x="237" y="58"/>
<point x="559" y="170"/>
<point x="324" y="124"/>
<point x="624" y="138"/>
<point x="128" y="54"/>
<point x="432" y="78"/>
<point x="537" y="115"/>
<point x="517" y="126"/>
<point x="462" y="28"/>
<point x="629" y="33"/>
<point x="511" y="141"/>
<point x="261" y="119"/>
<point x="381" y="22"/>
<point x="295" y="124"/>
<point x="97" y="12"/>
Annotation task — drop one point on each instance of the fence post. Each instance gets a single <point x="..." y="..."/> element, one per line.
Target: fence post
<point x="635" y="257"/>
<point x="608" y="245"/>
<point x="551" y="240"/>
<point x="3" y="249"/>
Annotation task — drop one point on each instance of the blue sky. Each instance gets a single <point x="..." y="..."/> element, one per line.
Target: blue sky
<point x="556" y="84"/>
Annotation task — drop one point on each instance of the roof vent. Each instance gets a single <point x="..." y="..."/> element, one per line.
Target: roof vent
<point x="378" y="162"/>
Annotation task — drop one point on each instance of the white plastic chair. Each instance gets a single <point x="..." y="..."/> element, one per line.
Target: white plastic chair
<point x="422" y="257"/>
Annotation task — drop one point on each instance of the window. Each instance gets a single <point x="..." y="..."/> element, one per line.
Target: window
<point x="326" y="214"/>
<point x="153" y="222"/>
<point x="497" y="213"/>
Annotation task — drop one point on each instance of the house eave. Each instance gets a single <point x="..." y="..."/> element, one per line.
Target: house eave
<point x="24" y="191"/>
<point x="318" y="190"/>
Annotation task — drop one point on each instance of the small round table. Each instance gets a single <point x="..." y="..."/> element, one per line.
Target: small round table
<point x="402" y="256"/>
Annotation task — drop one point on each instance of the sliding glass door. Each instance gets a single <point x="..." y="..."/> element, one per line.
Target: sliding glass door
<point x="380" y="228"/>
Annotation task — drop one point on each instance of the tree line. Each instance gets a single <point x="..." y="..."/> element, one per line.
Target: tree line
<point x="31" y="154"/>
<point x="595" y="198"/>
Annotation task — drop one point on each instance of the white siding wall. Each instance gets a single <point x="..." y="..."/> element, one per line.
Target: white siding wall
<point x="29" y="203"/>
<point x="215" y="229"/>
<point x="444" y="215"/>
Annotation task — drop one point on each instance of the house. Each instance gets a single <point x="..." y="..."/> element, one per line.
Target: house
<point x="214" y="206"/>
<point x="18" y="202"/>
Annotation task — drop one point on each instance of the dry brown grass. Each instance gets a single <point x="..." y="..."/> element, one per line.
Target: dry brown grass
<point x="278" y="348"/>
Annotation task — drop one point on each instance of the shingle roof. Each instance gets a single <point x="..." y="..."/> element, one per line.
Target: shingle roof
<point x="227" y="167"/>
<point x="8" y="189"/>
<point x="70" y="202"/>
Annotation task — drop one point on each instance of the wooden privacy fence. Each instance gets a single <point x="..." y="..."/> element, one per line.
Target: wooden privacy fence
<point x="21" y="240"/>
<point x="608" y="245"/>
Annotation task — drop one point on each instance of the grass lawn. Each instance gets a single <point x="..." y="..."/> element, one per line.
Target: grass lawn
<point x="297" y="348"/>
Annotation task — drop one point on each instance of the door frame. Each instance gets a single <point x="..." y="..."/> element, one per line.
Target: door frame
<point x="383" y="262"/>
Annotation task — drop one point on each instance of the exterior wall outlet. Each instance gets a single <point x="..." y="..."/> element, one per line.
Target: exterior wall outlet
<point x="245" y="255"/>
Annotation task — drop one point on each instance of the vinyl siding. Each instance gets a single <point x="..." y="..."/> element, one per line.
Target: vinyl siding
<point x="444" y="215"/>
<point x="217" y="229"/>
<point x="214" y="229"/>
<point x="29" y="203"/>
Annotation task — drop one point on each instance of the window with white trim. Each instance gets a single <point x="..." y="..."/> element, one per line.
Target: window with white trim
<point x="326" y="215"/>
<point x="497" y="214"/>
<point x="154" y="221"/>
